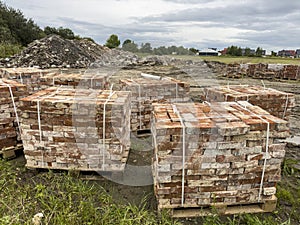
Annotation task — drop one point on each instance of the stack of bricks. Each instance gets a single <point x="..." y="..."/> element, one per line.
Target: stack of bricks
<point x="28" y="76"/>
<point x="146" y="91"/>
<point x="234" y="71"/>
<point x="276" y="102"/>
<point x="219" y="154"/>
<point x="10" y="94"/>
<point x="77" y="80"/>
<point x="260" y="71"/>
<point x="87" y="130"/>
<point x="291" y="72"/>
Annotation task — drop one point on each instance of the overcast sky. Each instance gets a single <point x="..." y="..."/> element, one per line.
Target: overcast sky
<point x="271" y="24"/>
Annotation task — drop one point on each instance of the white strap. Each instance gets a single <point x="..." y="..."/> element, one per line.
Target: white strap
<point x="104" y="130"/>
<point x="140" y="111"/>
<point x="176" y="92"/>
<point x="183" y="153"/>
<point x="21" y="79"/>
<point x="267" y="150"/>
<point x="263" y="83"/>
<point x="39" y="118"/>
<point x="285" y="107"/>
<point x="14" y="105"/>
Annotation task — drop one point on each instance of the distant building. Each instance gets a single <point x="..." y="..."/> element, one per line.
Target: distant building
<point x="224" y="51"/>
<point x="287" y="53"/>
<point x="298" y="53"/>
<point x="208" y="52"/>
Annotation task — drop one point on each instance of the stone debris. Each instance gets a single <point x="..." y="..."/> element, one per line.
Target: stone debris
<point x="64" y="128"/>
<point x="56" y="52"/>
<point x="146" y="91"/>
<point x="220" y="153"/>
<point x="277" y="103"/>
<point x="10" y="94"/>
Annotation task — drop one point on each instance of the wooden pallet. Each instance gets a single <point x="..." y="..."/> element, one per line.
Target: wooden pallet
<point x="82" y="174"/>
<point x="11" y="152"/>
<point x="223" y="209"/>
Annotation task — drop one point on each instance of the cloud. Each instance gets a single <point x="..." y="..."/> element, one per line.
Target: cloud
<point x="192" y="23"/>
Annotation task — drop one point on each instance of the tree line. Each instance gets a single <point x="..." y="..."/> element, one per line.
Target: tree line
<point x="16" y="31"/>
<point x="129" y="45"/>
<point x="238" y="51"/>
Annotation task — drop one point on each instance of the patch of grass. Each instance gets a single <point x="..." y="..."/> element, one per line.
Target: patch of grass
<point x="242" y="59"/>
<point x="63" y="199"/>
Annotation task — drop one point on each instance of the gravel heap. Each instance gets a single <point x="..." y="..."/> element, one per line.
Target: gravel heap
<point x="56" y="52"/>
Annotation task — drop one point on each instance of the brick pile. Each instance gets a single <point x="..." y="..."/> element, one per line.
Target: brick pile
<point x="64" y="128"/>
<point x="291" y="72"/>
<point x="260" y="71"/>
<point x="220" y="154"/>
<point x="94" y="81"/>
<point x="10" y="94"/>
<point x="276" y="102"/>
<point x="28" y="76"/>
<point x="234" y="71"/>
<point x="146" y="91"/>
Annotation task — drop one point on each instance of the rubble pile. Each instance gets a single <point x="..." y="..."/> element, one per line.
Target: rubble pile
<point x="116" y="58"/>
<point x="146" y="91"/>
<point x="10" y="94"/>
<point x="56" y="52"/>
<point x="216" y="154"/>
<point x="277" y="103"/>
<point x="64" y="128"/>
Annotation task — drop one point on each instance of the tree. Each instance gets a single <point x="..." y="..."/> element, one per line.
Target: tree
<point x="66" y="33"/>
<point x="273" y="53"/>
<point x="259" y="51"/>
<point x="113" y="41"/>
<point x="247" y="51"/>
<point x="193" y="50"/>
<point x="130" y="47"/>
<point x="127" y="41"/>
<point x="146" y="48"/>
<point x="17" y="29"/>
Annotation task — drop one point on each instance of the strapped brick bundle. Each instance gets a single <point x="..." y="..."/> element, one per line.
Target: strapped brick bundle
<point x="37" y="79"/>
<point x="276" y="102"/>
<point x="77" y="80"/>
<point x="224" y="153"/>
<point x="29" y="76"/>
<point x="291" y="72"/>
<point x="10" y="94"/>
<point x="64" y="128"/>
<point x="147" y="91"/>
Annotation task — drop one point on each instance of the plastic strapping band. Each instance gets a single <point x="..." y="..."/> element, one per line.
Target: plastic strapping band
<point x="267" y="151"/>
<point x="183" y="153"/>
<point x="14" y="105"/>
<point x="176" y="92"/>
<point x="140" y="119"/>
<point x="285" y="107"/>
<point x="263" y="83"/>
<point x="226" y="97"/>
<point x="21" y="79"/>
<point x="39" y="118"/>
<point x="103" y="135"/>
